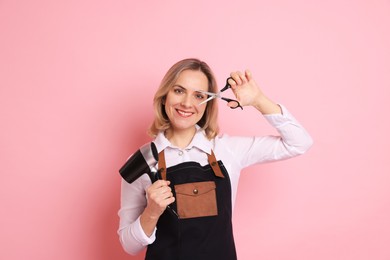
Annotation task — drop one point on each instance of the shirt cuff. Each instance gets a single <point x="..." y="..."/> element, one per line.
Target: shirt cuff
<point x="279" y="120"/>
<point x="140" y="235"/>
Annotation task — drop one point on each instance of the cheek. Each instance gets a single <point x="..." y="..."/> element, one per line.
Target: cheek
<point x="171" y="100"/>
<point x="169" y="107"/>
<point x="202" y="110"/>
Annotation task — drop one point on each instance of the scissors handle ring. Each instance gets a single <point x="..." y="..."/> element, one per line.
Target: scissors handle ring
<point x="227" y="86"/>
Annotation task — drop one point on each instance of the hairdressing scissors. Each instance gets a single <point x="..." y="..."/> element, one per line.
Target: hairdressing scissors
<point x="218" y="95"/>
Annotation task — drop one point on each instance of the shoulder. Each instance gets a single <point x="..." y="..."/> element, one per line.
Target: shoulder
<point x="225" y="144"/>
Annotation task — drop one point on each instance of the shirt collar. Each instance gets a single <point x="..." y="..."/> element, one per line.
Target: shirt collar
<point x="199" y="141"/>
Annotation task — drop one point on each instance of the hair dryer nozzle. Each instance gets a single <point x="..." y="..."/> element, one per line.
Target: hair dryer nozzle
<point x="141" y="162"/>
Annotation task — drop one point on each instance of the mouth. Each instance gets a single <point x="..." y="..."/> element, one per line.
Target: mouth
<point x="184" y="113"/>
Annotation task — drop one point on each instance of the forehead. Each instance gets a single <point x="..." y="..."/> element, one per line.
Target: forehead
<point x="192" y="80"/>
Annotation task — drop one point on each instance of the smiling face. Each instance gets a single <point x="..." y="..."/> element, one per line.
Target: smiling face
<point x="182" y="101"/>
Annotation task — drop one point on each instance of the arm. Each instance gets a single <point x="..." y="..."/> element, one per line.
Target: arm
<point x="133" y="202"/>
<point x="293" y="140"/>
<point x="159" y="196"/>
<point x="141" y="205"/>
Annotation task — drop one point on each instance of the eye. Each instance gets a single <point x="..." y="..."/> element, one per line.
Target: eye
<point x="200" y="96"/>
<point x="178" y="90"/>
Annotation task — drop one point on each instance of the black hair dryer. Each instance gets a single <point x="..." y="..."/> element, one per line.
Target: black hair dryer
<point x="141" y="162"/>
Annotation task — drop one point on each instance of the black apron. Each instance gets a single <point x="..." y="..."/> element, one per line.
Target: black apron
<point x="199" y="238"/>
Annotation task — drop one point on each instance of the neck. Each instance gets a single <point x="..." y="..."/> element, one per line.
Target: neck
<point x="180" y="138"/>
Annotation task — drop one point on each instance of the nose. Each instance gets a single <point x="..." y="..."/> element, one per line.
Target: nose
<point x="186" y="101"/>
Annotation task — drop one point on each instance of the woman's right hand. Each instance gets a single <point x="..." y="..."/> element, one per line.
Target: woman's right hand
<point x="159" y="195"/>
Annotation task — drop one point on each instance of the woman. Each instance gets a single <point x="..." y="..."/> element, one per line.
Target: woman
<point x="186" y="214"/>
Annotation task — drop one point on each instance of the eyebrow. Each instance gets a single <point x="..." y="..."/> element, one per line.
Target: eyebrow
<point x="180" y="86"/>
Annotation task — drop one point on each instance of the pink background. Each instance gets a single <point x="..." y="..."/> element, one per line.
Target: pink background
<point x="76" y="85"/>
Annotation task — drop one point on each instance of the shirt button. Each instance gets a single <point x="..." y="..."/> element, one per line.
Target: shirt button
<point x="195" y="191"/>
<point x="180" y="153"/>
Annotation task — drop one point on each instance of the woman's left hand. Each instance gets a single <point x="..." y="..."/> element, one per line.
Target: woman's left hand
<point x="248" y="93"/>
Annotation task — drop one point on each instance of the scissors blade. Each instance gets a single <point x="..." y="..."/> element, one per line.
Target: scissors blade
<point x="207" y="100"/>
<point x="208" y="93"/>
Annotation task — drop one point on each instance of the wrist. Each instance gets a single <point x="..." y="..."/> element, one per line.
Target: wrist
<point x="148" y="222"/>
<point x="149" y="215"/>
<point x="266" y="106"/>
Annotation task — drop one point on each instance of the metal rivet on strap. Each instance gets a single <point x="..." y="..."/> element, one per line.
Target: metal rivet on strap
<point x="195" y="191"/>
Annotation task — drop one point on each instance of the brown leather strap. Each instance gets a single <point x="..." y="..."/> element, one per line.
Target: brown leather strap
<point x="211" y="158"/>
<point x="161" y="165"/>
<point x="214" y="164"/>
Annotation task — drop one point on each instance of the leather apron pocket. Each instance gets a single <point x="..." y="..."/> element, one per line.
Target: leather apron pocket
<point x="196" y="199"/>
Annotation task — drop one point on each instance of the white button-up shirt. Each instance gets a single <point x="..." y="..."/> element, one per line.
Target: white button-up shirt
<point x="235" y="152"/>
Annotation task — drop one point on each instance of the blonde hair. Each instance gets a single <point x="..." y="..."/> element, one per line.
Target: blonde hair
<point x="208" y="122"/>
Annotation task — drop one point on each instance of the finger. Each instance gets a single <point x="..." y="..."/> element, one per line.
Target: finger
<point x="248" y="75"/>
<point x="170" y="200"/>
<point x="165" y="191"/>
<point x="236" y="77"/>
<point x="232" y="104"/>
<point x="167" y="201"/>
<point x="169" y="196"/>
<point x="160" y="183"/>
<point x="232" y="82"/>
<point x="242" y="77"/>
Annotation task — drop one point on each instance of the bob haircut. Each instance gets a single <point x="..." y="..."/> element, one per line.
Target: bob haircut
<point x="208" y="122"/>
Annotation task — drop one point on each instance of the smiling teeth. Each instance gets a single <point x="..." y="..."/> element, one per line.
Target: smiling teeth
<point x="184" y="113"/>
